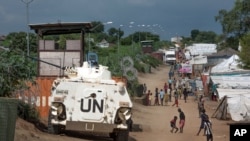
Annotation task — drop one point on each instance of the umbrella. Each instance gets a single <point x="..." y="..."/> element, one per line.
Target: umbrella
<point x="184" y="70"/>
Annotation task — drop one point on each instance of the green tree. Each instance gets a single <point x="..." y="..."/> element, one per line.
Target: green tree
<point x="245" y="53"/>
<point x="236" y="25"/>
<point x="63" y="37"/>
<point x="194" y="33"/>
<point x="98" y="27"/>
<point x="15" y="69"/>
<point x="101" y="36"/>
<point x="229" y="42"/>
<point x="115" y="32"/>
<point x="206" y="37"/>
<point x="237" y="20"/>
<point x="127" y="40"/>
<point x="200" y="37"/>
<point x="17" y="40"/>
<point x="112" y="31"/>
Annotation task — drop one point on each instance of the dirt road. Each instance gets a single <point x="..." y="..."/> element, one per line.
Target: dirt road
<point x="154" y="120"/>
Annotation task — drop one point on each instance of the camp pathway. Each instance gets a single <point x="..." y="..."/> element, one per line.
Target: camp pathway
<point x="155" y="120"/>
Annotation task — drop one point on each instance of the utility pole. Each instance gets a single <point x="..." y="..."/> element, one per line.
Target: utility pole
<point x="118" y="41"/>
<point x="27" y="2"/>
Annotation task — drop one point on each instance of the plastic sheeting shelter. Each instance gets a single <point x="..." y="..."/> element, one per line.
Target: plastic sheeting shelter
<point x="232" y="92"/>
<point x="202" y="49"/>
<point x="229" y="65"/>
<point x="232" y="81"/>
<point x="197" y="60"/>
<point x="237" y="102"/>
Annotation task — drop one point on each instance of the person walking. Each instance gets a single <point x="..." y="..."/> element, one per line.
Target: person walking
<point x="196" y="94"/>
<point x="148" y="98"/>
<point x="200" y="105"/>
<point x="170" y="94"/>
<point x="179" y="92"/>
<point x="170" y="81"/>
<point x="162" y="93"/>
<point x="173" y="125"/>
<point x="185" y="94"/>
<point x="174" y="83"/>
<point x="204" y="118"/>
<point x="182" y="120"/>
<point x="165" y="87"/>
<point x="166" y="93"/>
<point x="208" y="130"/>
<point x="176" y="99"/>
<point x="156" y="97"/>
<point x="144" y="88"/>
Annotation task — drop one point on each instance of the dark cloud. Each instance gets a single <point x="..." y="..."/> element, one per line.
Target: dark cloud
<point x="173" y="17"/>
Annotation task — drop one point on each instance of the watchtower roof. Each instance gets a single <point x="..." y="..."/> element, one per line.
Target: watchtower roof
<point x="60" y="28"/>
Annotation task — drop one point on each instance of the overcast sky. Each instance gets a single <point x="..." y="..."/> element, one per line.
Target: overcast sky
<point x="164" y="17"/>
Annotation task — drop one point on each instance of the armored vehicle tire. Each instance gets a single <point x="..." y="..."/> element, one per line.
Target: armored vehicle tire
<point x="52" y="129"/>
<point x="121" y="135"/>
<point x="130" y="124"/>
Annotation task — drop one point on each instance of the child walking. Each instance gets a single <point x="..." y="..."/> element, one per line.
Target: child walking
<point x="173" y="125"/>
<point x="176" y="99"/>
<point x="150" y="98"/>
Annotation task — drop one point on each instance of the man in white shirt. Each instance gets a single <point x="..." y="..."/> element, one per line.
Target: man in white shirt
<point x="162" y="93"/>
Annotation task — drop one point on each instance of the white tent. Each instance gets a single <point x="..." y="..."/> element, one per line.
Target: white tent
<point x="198" y="60"/>
<point x="232" y="92"/>
<point x="231" y="81"/>
<point x="237" y="101"/>
<point x="229" y="65"/>
<point x="238" y="105"/>
<point x="202" y="49"/>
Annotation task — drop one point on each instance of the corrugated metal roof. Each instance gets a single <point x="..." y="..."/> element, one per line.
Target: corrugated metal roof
<point x="202" y="49"/>
<point x="225" y="52"/>
<point x="60" y="28"/>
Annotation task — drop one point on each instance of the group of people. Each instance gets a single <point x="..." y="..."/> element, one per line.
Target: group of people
<point x="205" y="124"/>
<point x="164" y="95"/>
<point x="176" y="88"/>
<point x="181" y="122"/>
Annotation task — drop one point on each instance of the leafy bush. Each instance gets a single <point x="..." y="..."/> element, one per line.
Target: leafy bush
<point x="135" y="88"/>
<point x="153" y="61"/>
<point x="112" y="57"/>
<point x="15" y="69"/>
<point x="139" y="66"/>
<point x="27" y="112"/>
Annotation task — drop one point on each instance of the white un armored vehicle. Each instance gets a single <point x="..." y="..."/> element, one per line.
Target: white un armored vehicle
<point x="90" y="101"/>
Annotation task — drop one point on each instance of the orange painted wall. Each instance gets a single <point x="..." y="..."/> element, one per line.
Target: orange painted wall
<point x="45" y="84"/>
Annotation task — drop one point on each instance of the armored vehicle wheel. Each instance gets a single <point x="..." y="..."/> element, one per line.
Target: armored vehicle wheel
<point x="52" y="129"/>
<point x="130" y="124"/>
<point x="121" y="135"/>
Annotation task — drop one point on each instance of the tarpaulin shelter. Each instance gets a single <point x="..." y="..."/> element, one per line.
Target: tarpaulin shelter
<point x="235" y="102"/>
<point x="231" y="64"/>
